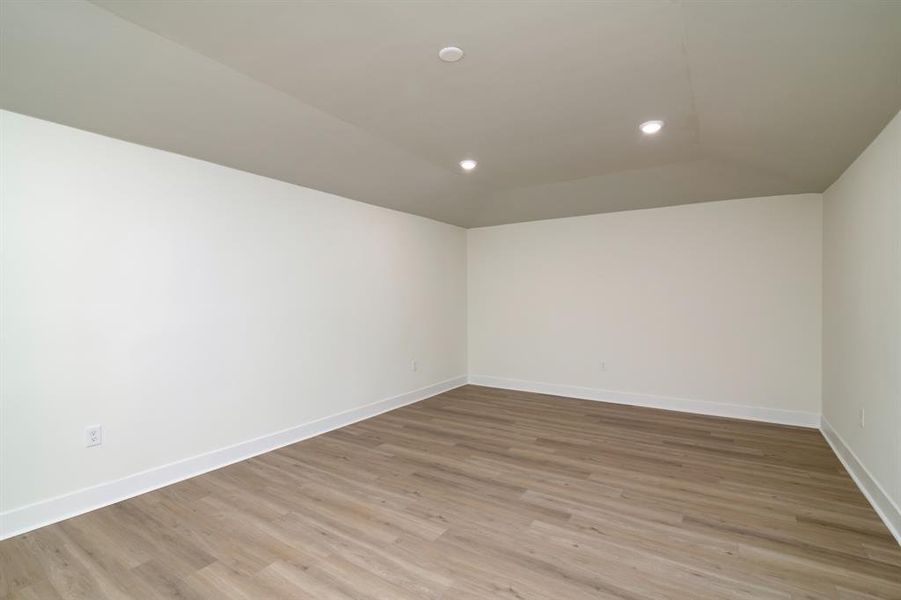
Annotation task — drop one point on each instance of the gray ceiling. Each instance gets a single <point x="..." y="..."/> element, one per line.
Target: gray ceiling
<point x="759" y="98"/>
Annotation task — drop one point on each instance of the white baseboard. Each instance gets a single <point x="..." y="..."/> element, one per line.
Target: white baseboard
<point x="39" y="514"/>
<point x="702" y="407"/>
<point x="45" y="512"/>
<point x="887" y="510"/>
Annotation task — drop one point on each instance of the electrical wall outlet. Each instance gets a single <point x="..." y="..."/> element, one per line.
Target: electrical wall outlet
<point x="602" y="365"/>
<point x="414" y="366"/>
<point x="860" y="418"/>
<point x="93" y="436"/>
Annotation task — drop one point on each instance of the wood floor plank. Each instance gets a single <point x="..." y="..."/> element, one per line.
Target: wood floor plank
<point x="486" y="493"/>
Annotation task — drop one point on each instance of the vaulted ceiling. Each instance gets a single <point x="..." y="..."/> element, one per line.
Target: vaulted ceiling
<point x="759" y="98"/>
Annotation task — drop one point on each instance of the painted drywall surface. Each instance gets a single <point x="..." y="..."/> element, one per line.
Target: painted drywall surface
<point x="717" y="302"/>
<point x="862" y="308"/>
<point x="186" y="306"/>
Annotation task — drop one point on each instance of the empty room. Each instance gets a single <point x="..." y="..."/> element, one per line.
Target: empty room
<point x="450" y="300"/>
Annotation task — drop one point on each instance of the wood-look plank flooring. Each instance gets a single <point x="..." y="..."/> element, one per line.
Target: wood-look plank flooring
<point x="485" y="493"/>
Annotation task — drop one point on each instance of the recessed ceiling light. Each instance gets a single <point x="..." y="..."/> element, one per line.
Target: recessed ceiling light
<point x="450" y="54"/>
<point x="468" y="164"/>
<point x="651" y="126"/>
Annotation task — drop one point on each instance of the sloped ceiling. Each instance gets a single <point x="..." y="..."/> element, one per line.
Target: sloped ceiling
<point x="759" y="98"/>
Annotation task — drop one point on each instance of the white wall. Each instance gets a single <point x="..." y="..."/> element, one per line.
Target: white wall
<point x="862" y="319"/>
<point x="712" y="307"/>
<point x="186" y="307"/>
<point x="189" y="307"/>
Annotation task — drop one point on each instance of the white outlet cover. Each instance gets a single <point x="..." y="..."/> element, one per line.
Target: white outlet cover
<point x="93" y="436"/>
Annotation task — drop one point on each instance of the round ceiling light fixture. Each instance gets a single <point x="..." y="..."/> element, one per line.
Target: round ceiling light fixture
<point x="450" y="54"/>
<point x="651" y="127"/>
<point x="468" y="164"/>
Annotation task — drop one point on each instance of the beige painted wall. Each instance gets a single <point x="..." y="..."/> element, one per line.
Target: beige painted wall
<point x="186" y="307"/>
<point x="715" y="302"/>
<point x="862" y="310"/>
